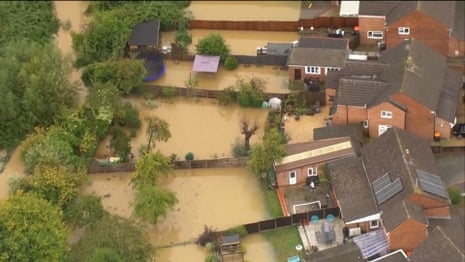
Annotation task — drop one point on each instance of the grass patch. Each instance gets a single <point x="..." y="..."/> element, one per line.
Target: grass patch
<point x="283" y="241"/>
<point x="271" y="199"/>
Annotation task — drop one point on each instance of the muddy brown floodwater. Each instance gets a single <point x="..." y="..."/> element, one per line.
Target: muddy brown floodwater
<point x="219" y="198"/>
<point x="246" y="10"/>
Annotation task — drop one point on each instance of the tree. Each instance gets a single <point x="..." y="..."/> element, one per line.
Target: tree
<point x="151" y="203"/>
<point x="116" y="235"/>
<point x="149" y="168"/>
<point x="84" y="210"/>
<point x="121" y="143"/>
<point x="31" y="229"/>
<point x="251" y="92"/>
<point x="248" y="131"/>
<point x="157" y="130"/>
<point x="264" y="154"/>
<point x="104" y="255"/>
<point x="182" y="38"/>
<point x="213" y="44"/>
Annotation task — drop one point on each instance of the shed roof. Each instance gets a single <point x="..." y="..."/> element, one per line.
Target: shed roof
<point x="145" y="34"/>
<point x="278" y="48"/>
<point x="324" y="42"/>
<point x="353" y="130"/>
<point x="301" y="56"/>
<point x="206" y="63"/>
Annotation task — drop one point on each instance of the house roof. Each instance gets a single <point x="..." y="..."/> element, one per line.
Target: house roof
<point x="301" y="154"/>
<point x="400" y="153"/>
<point x="355" y="131"/>
<point x="325" y="43"/>
<point x="395" y="256"/>
<point x="359" y="90"/>
<point x="353" y="191"/>
<point x="354" y="68"/>
<point x="145" y="33"/>
<point x="458" y="31"/>
<point x="301" y="56"/>
<point x="438" y="247"/>
<point x="447" y="104"/>
<point x="206" y="63"/>
<point x="348" y="253"/>
<point x="453" y="227"/>
<point x="278" y="48"/>
<point x="376" y="8"/>
<point x="372" y="243"/>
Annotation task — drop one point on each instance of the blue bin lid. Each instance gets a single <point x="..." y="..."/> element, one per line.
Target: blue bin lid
<point x="293" y="259"/>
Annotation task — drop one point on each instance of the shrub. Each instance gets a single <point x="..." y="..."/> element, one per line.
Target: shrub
<point x="169" y="91"/>
<point x="231" y="63"/>
<point x="455" y="195"/>
<point x="238" y="149"/>
<point x="240" y="230"/>
<point x="228" y="96"/>
<point x="251" y="92"/>
<point x="189" y="156"/>
<point x="131" y="116"/>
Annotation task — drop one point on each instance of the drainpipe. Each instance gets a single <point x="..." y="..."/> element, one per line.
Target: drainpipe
<point x="347" y="114"/>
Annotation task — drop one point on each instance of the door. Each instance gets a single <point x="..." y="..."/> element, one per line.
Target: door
<point x="382" y="129"/>
<point x="297" y="74"/>
<point x="292" y="178"/>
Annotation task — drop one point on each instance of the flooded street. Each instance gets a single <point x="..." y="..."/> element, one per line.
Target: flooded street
<point x="245" y="10"/>
<point x="219" y="198"/>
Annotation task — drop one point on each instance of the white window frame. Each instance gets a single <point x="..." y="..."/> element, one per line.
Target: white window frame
<point x="331" y="69"/>
<point x="386" y="114"/>
<point x="292" y="172"/>
<point x="375" y="34"/>
<point x="365" y="123"/>
<point x="312" y="70"/>
<point x="403" y="30"/>
<point x="375" y="225"/>
<point x="314" y="171"/>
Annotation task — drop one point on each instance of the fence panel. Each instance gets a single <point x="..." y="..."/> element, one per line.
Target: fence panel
<point x="283" y="221"/>
<point x="252" y="227"/>
<point x="268" y="224"/>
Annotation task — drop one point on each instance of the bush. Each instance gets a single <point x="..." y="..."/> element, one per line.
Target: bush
<point x="251" y="93"/>
<point x="169" y="91"/>
<point x="238" y="149"/>
<point x="189" y="156"/>
<point x="455" y="195"/>
<point x="84" y="210"/>
<point x="231" y="63"/>
<point x="240" y="230"/>
<point x="228" y="96"/>
<point x="131" y="116"/>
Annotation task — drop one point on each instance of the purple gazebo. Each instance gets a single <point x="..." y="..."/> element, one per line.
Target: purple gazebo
<point x="206" y="63"/>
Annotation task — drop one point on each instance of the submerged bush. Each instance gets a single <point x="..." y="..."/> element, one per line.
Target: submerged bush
<point x="189" y="156"/>
<point x="231" y="63"/>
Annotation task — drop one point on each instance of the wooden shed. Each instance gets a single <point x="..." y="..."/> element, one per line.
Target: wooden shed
<point x="230" y="248"/>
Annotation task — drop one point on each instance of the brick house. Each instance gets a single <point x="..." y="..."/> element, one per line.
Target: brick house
<point x="393" y="185"/>
<point x="313" y="57"/>
<point x="304" y="160"/>
<point x="409" y="87"/>
<point x="438" y="24"/>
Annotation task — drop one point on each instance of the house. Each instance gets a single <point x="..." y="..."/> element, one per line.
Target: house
<point x="348" y="253"/>
<point x="414" y="90"/>
<point x="304" y="160"/>
<point x="354" y="131"/>
<point x="313" y="57"/>
<point x="438" y="247"/>
<point x="393" y="185"/>
<point x="437" y="24"/>
<point x="145" y="36"/>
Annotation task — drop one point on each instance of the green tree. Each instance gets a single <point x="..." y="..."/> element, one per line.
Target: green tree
<point x="31" y="229"/>
<point x="213" y="44"/>
<point x="157" y="130"/>
<point x="231" y="63"/>
<point x="263" y="155"/>
<point x="151" y="203"/>
<point x="251" y="93"/>
<point x="121" y="143"/>
<point x="84" y="210"/>
<point x="182" y="38"/>
<point x="149" y="168"/>
<point x="104" y="255"/>
<point x="116" y="235"/>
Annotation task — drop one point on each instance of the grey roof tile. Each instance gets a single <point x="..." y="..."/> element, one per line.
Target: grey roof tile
<point x="355" y="131"/>
<point x="324" y="42"/>
<point x="301" y="56"/>
<point x="359" y="90"/>
<point x="145" y="33"/>
<point x="348" y="253"/>
<point x="437" y="247"/>
<point x="447" y="104"/>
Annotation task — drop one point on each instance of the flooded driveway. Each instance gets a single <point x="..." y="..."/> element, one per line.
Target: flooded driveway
<point x="219" y="198"/>
<point x="245" y="10"/>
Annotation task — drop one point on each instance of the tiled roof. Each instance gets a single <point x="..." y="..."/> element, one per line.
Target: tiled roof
<point x="376" y="8"/>
<point x="359" y="91"/>
<point x="396" y="256"/>
<point x="356" y="68"/>
<point x="453" y="227"/>
<point x="355" y="131"/>
<point x="324" y="42"/>
<point x="352" y="188"/>
<point x="315" y="152"/>
<point x="447" y="105"/>
<point x="399" y="153"/>
<point x="415" y="212"/>
<point x="145" y="33"/>
<point x="301" y="56"/>
<point x="458" y="31"/>
<point x="348" y="253"/>
<point x="438" y="247"/>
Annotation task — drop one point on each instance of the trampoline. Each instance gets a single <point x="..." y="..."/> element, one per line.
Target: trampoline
<point x="154" y="65"/>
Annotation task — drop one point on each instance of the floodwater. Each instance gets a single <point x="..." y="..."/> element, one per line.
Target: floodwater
<point x="13" y="169"/>
<point x="72" y="11"/>
<point x="245" y="10"/>
<point x="219" y="198"/>
<point x="197" y="125"/>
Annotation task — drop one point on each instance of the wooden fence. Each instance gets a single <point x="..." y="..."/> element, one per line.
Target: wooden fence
<point x="289" y="26"/>
<point x="447" y="149"/>
<point x="290" y="220"/>
<point x="204" y="163"/>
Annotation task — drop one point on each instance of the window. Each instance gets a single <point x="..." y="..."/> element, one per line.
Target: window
<point x="375" y="34"/>
<point x="314" y="70"/>
<point x="374" y="224"/>
<point x="404" y="30"/>
<point x="312" y="171"/>
<point x="365" y="123"/>
<point x="386" y="114"/>
<point x="331" y="69"/>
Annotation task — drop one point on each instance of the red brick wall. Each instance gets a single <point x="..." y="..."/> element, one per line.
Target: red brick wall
<point x="408" y="235"/>
<point x="433" y="207"/>
<point x="349" y="114"/>
<point x="422" y="28"/>
<point x="282" y="178"/>
<point x="320" y="77"/>
<point x="330" y="92"/>
<point x="419" y="119"/>
<point x="370" y="24"/>
<point x="374" y="118"/>
<point x="456" y="45"/>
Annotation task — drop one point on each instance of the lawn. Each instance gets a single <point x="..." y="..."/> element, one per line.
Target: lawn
<point x="271" y="199"/>
<point x="283" y="240"/>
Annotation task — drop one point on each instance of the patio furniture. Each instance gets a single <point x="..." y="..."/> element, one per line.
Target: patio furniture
<point x="330" y="218"/>
<point x="315" y="219"/>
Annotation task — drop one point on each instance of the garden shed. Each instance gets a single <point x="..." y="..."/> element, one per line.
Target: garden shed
<point x="230" y="248"/>
<point x="206" y="63"/>
<point x="145" y="36"/>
